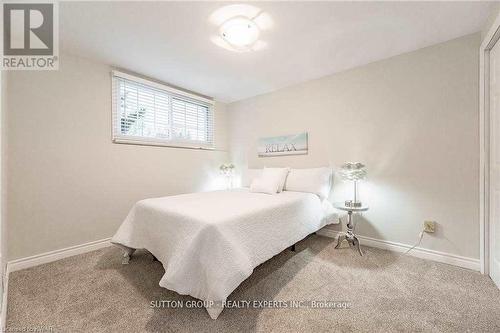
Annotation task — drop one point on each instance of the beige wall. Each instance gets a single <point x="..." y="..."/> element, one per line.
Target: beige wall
<point x="68" y="184"/>
<point x="413" y="119"/>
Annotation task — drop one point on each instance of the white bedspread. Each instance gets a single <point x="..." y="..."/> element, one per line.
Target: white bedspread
<point x="210" y="242"/>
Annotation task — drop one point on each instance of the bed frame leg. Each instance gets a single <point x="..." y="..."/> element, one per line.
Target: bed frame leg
<point x="292" y="248"/>
<point x="126" y="255"/>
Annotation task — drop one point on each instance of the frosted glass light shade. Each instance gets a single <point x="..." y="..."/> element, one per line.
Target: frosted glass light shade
<point x="240" y="32"/>
<point x="352" y="171"/>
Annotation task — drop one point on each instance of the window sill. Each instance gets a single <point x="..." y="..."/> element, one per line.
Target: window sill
<point x="162" y="144"/>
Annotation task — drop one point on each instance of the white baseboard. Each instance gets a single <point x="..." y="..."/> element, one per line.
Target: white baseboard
<point x="447" y="258"/>
<point x="43" y="258"/>
<point x="418" y="252"/>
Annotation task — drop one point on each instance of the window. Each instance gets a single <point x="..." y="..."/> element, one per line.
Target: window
<point x="146" y="112"/>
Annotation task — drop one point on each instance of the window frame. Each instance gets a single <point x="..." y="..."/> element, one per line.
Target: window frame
<point x="117" y="137"/>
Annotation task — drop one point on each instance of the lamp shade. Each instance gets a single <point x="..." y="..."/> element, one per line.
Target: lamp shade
<point x="227" y="168"/>
<point x="352" y="171"/>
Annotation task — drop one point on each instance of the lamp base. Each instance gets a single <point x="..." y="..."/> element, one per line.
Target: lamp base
<point x="353" y="204"/>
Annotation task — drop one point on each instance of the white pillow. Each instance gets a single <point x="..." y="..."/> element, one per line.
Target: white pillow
<point x="315" y="180"/>
<point x="270" y="181"/>
<point x="249" y="175"/>
<point x="283" y="172"/>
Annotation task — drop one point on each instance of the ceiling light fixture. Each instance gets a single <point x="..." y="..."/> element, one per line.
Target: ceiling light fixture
<point x="240" y="32"/>
<point x="240" y="27"/>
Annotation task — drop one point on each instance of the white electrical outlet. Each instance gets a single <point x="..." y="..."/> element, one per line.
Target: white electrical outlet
<point x="430" y="226"/>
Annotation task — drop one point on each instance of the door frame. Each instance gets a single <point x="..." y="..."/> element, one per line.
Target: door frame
<point x="490" y="39"/>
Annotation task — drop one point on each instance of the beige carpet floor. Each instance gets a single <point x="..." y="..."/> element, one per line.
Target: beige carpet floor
<point x="388" y="292"/>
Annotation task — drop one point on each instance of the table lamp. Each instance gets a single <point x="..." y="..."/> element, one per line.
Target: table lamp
<point x="227" y="170"/>
<point x="353" y="171"/>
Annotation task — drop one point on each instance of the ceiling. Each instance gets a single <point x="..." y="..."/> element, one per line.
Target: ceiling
<point x="170" y="41"/>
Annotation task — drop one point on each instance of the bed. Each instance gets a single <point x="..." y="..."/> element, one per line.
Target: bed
<point x="210" y="242"/>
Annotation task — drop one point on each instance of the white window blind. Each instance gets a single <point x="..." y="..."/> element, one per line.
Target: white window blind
<point x="146" y="112"/>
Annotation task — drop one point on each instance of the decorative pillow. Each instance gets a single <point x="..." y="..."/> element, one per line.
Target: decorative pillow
<point x="249" y="175"/>
<point x="315" y="180"/>
<point x="270" y="181"/>
<point x="279" y="172"/>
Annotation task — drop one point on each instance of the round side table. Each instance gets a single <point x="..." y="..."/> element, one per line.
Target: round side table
<point x="349" y="236"/>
